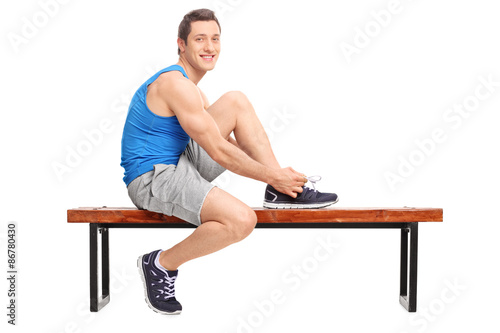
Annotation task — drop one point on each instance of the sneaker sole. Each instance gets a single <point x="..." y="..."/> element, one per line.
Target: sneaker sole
<point x="146" y="298"/>
<point x="272" y="205"/>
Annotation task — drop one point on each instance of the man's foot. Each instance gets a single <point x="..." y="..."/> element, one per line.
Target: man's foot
<point x="309" y="198"/>
<point x="158" y="284"/>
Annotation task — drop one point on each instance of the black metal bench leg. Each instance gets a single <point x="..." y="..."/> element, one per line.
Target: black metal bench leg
<point x="105" y="262"/>
<point x="97" y="302"/>
<point x="409" y="299"/>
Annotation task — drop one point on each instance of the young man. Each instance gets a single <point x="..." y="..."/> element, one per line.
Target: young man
<point x="175" y="143"/>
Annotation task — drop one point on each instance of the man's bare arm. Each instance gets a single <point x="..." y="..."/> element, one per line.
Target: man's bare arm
<point x="185" y="101"/>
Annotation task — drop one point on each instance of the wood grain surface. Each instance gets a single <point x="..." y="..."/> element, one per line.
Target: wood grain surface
<point x="324" y="215"/>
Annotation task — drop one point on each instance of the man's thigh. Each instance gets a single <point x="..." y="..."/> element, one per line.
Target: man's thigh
<point x="202" y="162"/>
<point x="178" y="190"/>
<point x="224" y="208"/>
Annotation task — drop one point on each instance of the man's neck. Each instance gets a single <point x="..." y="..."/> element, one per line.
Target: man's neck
<point x="193" y="74"/>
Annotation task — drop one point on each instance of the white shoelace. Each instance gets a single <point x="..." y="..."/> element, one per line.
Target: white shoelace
<point x="313" y="180"/>
<point x="169" y="290"/>
<point x="167" y="283"/>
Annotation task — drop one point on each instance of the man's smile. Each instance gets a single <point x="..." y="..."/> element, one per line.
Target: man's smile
<point x="208" y="57"/>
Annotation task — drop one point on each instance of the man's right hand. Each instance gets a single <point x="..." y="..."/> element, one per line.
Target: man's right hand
<point x="288" y="181"/>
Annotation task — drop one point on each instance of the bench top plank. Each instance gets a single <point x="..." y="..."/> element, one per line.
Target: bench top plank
<point x="324" y="215"/>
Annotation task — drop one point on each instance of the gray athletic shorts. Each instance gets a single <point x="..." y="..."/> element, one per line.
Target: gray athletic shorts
<point x="177" y="190"/>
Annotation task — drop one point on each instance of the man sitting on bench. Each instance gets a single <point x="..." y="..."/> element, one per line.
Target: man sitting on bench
<point x="175" y="143"/>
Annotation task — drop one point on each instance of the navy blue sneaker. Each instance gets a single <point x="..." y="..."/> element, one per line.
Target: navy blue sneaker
<point x="158" y="284"/>
<point x="309" y="198"/>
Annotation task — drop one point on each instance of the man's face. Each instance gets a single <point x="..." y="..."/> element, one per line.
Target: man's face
<point x="203" y="45"/>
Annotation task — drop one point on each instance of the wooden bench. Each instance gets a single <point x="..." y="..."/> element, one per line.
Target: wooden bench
<point x="101" y="219"/>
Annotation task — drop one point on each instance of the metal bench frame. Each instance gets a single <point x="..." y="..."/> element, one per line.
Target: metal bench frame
<point x="99" y="233"/>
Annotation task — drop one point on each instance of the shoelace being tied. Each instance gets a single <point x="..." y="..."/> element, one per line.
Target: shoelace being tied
<point x="313" y="180"/>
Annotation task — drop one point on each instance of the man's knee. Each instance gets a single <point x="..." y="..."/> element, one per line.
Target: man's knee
<point x="243" y="224"/>
<point x="237" y="98"/>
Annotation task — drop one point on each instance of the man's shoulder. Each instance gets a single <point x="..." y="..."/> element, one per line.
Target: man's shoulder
<point x="174" y="81"/>
<point x="172" y="86"/>
<point x="170" y="78"/>
<point x="176" y="93"/>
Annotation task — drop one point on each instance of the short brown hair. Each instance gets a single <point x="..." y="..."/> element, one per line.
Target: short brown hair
<point x="193" y="16"/>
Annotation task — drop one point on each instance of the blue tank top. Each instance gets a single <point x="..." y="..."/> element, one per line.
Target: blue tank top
<point x="149" y="139"/>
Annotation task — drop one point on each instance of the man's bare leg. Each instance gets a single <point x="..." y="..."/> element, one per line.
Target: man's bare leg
<point x="233" y="112"/>
<point x="225" y="219"/>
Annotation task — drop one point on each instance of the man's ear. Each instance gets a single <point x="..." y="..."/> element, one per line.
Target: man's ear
<point x="181" y="44"/>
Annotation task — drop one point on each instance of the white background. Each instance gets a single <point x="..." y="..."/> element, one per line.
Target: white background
<point x="354" y="119"/>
